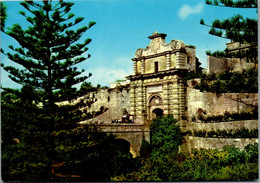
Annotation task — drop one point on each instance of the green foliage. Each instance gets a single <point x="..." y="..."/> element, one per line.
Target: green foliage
<point x="49" y="63"/>
<point x="120" y="80"/>
<point x="234" y="4"/>
<point x="3" y="15"/>
<point x="200" y="133"/>
<point x="145" y="149"/>
<point x="245" y="82"/>
<point x="26" y="141"/>
<point x="236" y="28"/>
<point x="237" y="133"/>
<point x="165" y="136"/>
<point x="108" y="156"/>
<point x="42" y="141"/>
<point x="32" y="145"/>
<point x="228" y="164"/>
<point x="228" y="117"/>
<point x="87" y="87"/>
<point x="192" y="75"/>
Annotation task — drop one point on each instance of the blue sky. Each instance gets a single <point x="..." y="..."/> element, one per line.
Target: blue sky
<point x="122" y="26"/>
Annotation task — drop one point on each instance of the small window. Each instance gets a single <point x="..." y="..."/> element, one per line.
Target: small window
<point x="188" y="60"/>
<point x="156" y="67"/>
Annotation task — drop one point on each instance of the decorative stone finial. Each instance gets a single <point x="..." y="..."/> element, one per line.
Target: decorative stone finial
<point x="156" y="34"/>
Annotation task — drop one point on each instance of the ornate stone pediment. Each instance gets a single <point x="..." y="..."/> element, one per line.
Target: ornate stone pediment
<point x="177" y="45"/>
<point x="139" y="52"/>
<point x="158" y="45"/>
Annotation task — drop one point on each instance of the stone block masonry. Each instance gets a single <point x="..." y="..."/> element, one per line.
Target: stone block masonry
<point x="220" y="65"/>
<point x="116" y="100"/>
<point x="217" y="104"/>
<point x="214" y="143"/>
<point x="247" y="124"/>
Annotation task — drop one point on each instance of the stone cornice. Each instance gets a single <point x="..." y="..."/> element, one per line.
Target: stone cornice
<point x="157" y="55"/>
<point x="157" y="74"/>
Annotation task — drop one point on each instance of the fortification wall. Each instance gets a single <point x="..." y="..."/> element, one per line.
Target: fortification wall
<point x="191" y="142"/>
<point x="248" y="124"/>
<point x="114" y="101"/>
<point x="206" y="103"/>
<point x="220" y="65"/>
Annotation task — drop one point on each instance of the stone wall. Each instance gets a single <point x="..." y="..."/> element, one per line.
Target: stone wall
<point x="209" y="104"/>
<point x="216" y="65"/>
<point x="115" y="100"/>
<point x="191" y="142"/>
<point x="220" y="65"/>
<point x="248" y="124"/>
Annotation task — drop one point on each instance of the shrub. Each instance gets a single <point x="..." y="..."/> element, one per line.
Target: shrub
<point x="145" y="149"/>
<point x="237" y="133"/>
<point x="227" y="164"/>
<point x="234" y="82"/>
<point x="165" y="136"/>
<point x="228" y="117"/>
<point x="200" y="133"/>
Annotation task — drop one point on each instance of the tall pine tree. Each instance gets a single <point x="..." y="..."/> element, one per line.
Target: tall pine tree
<point x="3" y="15"/>
<point x="236" y="28"/>
<point x="49" y="51"/>
<point x="41" y="139"/>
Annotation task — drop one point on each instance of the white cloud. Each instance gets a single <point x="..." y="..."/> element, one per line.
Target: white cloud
<point x="186" y="10"/>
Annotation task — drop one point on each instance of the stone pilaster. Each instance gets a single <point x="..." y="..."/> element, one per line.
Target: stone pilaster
<point x="132" y="100"/>
<point x="144" y="98"/>
<point x="180" y="60"/>
<point x="139" y="102"/>
<point x="171" y="99"/>
<point x="145" y="112"/>
<point x="181" y="97"/>
<point x="143" y="66"/>
<point x="135" y="67"/>
<point x="168" y="61"/>
<point x="166" y="101"/>
<point x="174" y="98"/>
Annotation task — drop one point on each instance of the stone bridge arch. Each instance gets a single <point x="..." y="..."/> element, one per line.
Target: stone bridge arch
<point x="133" y="133"/>
<point x="125" y="144"/>
<point x="135" y="140"/>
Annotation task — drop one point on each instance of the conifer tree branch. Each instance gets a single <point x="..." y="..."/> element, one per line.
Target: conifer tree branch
<point x="233" y="3"/>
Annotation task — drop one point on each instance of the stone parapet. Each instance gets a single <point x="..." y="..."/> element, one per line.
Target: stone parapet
<point x="248" y="124"/>
<point x="191" y="142"/>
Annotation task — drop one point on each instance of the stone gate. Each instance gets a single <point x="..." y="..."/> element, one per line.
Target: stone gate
<point x="156" y="89"/>
<point x="157" y="86"/>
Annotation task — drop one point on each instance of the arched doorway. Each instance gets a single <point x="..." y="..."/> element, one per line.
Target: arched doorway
<point x="157" y="113"/>
<point x="155" y="107"/>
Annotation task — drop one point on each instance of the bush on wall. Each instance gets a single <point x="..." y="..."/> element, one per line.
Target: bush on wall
<point x="236" y="133"/>
<point x="236" y="82"/>
<point x="226" y="117"/>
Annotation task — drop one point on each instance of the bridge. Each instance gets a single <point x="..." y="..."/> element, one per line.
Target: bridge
<point x="131" y="132"/>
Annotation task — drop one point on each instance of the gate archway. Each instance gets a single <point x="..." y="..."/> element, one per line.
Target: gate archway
<point x="157" y="113"/>
<point x="155" y="107"/>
